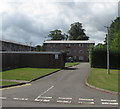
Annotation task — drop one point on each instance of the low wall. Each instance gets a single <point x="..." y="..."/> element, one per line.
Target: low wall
<point x="11" y="60"/>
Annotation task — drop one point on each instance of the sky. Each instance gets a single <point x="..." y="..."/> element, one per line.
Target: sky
<point x="27" y="21"/>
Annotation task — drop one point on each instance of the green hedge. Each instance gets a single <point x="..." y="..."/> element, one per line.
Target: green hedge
<point x="98" y="59"/>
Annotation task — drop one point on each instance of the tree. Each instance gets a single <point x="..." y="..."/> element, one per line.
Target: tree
<point x="39" y="48"/>
<point x="114" y="35"/>
<point x="56" y="35"/>
<point x="76" y="32"/>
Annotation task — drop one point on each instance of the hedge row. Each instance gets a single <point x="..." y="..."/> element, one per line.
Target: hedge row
<point x="98" y="59"/>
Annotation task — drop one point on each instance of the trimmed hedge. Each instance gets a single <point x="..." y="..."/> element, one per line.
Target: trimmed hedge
<point x="98" y="59"/>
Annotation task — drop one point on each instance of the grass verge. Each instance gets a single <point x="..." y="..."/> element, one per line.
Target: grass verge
<point x="5" y="83"/>
<point x="100" y="78"/>
<point x="70" y="64"/>
<point x="26" y="73"/>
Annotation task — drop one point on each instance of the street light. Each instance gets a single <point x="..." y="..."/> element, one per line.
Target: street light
<point x="108" y="53"/>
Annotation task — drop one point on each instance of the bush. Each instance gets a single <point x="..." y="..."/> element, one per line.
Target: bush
<point x="98" y="58"/>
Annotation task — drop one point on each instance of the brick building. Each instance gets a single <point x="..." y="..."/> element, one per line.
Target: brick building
<point x="6" y="45"/>
<point x="78" y="50"/>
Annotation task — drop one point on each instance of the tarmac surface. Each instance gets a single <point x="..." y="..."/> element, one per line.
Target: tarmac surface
<point x="65" y="88"/>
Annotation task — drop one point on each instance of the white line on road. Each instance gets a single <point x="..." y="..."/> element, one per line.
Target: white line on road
<point x="60" y="101"/>
<point x="45" y="97"/>
<point x="86" y="102"/>
<point x="108" y="100"/>
<point x="21" y="99"/>
<point x="43" y="100"/>
<point x="110" y="103"/>
<point x="64" y="98"/>
<point x="3" y="98"/>
<point x="86" y="99"/>
<point x="44" y="92"/>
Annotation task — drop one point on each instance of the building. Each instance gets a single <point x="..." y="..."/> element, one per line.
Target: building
<point x="78" y="50"/>
<point x="7" y="45"/>
<point x="13" y="59"/>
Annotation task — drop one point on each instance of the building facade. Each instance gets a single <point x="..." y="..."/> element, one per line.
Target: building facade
<point x="7" y="45"/>
<point x="78" y="50"/>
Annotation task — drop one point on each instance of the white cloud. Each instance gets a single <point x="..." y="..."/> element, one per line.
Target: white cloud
<point x="32" y="20"/>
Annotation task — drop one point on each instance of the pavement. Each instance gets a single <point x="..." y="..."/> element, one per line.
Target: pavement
<point x="65" y="88"/>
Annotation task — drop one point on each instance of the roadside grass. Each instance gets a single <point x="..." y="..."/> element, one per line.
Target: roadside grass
<point x="26" y="73"/>
<point x="99" y="78"/>
<point x="70" y="64"/>
<point x="5" y="83"/>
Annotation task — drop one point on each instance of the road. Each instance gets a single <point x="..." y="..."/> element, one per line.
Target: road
<point x="65" y="88"/>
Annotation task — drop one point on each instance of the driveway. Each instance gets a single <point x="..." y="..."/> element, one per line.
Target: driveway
<point x="65" y="88"/>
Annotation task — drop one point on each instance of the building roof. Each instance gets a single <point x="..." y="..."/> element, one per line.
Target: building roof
<point x="14" y="42"/>
<point x="30" y="52"/>
<point x="69" y="41"/>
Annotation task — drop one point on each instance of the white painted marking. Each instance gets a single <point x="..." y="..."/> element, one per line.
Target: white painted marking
<point x="21" y="99"/>
<point x="43" y="100"/>
<point x="108" y="100"/>
<point x="86" y="99"/>
<point x="3" y="98"/>
<point x="46" y="97"/>
<point x="44" y="92"/>
<point x="110" y="103"/>
<point x="59" y="101"/>
<point x="64" y="98"/>
<point x="86" y="102"/>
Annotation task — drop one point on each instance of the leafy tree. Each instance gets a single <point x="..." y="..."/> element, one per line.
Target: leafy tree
<point x="39" y="48"/>
<point x="114" y="35"/>
<point x="56" y="35"/>
<point x="76" y="32"/>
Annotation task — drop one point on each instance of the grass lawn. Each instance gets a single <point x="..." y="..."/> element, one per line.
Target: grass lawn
<point x="4" y="83"/>
<point x="26" y="73"/>
<point x="69" y="64"/>
<point x="100" y="78"/>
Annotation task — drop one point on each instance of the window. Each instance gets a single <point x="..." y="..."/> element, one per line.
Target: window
<point x="56" y="56"/>
<point x="81" y="58"/>
<point x="81" y="51"/>
<point x="80" y="45"/>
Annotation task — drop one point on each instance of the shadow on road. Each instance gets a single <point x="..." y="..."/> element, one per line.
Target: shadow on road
<point x="69" y="68"/>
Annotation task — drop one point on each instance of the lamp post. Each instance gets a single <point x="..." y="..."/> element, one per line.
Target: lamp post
<point x="108" y="53"/>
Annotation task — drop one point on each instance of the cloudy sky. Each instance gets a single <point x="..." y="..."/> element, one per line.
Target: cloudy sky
<point x="28" y="21"/>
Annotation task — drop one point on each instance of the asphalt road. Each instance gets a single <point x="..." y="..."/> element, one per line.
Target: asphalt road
<point x="65" y="88"/>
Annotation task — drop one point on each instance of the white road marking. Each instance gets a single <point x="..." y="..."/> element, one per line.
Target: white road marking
<point x="86" y="99"/>
<point x="46" y="97"/>
<point x="60" y="101"/>
<point x="3" y="98"/>
<point x="110" y="103"/>
<point x="44" y="92"/>
<point x="86" y="102"/>
<point x="108" y="100"/>
<point x="64" y="98"/>
<point x="21" y="99"/>
<point x="43" y="100"/>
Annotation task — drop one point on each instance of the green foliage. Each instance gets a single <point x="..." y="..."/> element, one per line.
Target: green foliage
<point x="39" y="48"/>
<point x="56" y="35"/>
<point x="114" y="35"/>
<point x="76" y="32"/>
<point x="98" y="58"/>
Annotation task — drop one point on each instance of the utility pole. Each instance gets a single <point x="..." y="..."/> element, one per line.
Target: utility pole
<point x="108" y="52"/>
<point x="30" y="46"/>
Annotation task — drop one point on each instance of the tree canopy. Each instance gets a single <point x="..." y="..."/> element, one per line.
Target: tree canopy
<point x="56" y="35"/>
<point x="114" y="34"/>
<point x="76" y="32"/>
